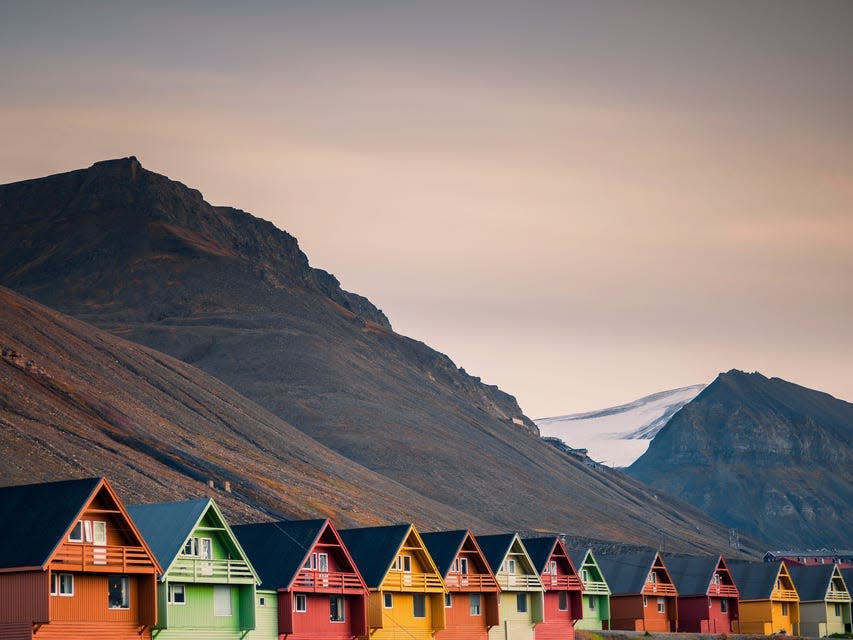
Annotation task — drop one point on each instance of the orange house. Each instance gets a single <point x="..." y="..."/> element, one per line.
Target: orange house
<point x="643" y="596"/>
<point x="73" y="564"/>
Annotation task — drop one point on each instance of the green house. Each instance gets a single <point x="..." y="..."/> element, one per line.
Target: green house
<point x="596" y="593"/>
<point x="207" y="589"/>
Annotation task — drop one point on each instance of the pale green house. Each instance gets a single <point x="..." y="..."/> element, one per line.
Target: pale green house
<point x="207" y="589"/>
<point x="824" y="599"/>
<point x="596" y="592"/>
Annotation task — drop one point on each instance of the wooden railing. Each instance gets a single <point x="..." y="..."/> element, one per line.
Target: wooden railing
<point x="470" y="582"/>
<point x="518" y="582"/>
<point x="89" y="557"/>
<point x="723" y="590"/>
<point x="659" y="589"/>
<point x="552" y="581"/>
<point x="785" y="594"/>
<point x="595" y="588"/>
<point x="401" y="581"/>
<point x="202" y="570"/>
<point x="836" y="595"/>
<point x="326" y="581"/>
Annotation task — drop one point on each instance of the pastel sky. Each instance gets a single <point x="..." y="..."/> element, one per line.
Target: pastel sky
<point x="580" y="202"/>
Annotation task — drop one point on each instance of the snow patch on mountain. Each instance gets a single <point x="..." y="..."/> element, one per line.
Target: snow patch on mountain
<point x="617" y="436"/>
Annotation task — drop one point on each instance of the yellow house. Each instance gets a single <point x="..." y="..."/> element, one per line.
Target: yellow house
<point x="522" y="602"/>
<point x="406" y="600"/>
<point x="769" y="602"/>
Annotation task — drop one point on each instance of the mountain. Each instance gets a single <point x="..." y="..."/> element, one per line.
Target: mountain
<point x="147" y="259"/>
<point x="617" y="436"/>
<point x="765" y="456"/>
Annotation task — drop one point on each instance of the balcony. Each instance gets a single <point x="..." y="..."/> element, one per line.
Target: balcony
<point x="327" y="582"/>
<point x="218" y="571"/>
<point x="416" y="582"/>
<point x="836" y="595"/>
<point x="785" y="594"/>
<point x="474" y="582"/>
<point x="519" y="582"/>
<point x="595" y="588"/>
<point x="102" y="559"/>
<point x="723" y="590"/>
<point x="561" y="583"/>
<point x="659" y="589"/>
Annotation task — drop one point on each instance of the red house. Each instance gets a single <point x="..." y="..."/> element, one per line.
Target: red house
<point x="643" y="596"/>
<point x="707" y="594"/>
<point x="73" y="564"/>
<point x="563" y="588"/>
<point x="321" y="593"/>
<point x="471" y="606"/>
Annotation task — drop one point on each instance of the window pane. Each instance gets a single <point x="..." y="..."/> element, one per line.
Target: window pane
<point x="336" y="609"/>
<point x="563" y="601"/>
<point x="118" y="588"/>
<point x="475" y="604"/>
<point x="301" y="603"/>
<point x="76" y="534"/>
<point x="419" y="605"/>
<point x="521" y="602"/>
<point x="389" y="600"/>
<point x="448" y="600"/>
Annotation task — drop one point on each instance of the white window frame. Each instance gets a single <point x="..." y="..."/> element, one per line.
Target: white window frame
<point x="645" y="602"/>
<point x="475" y="608"/>
<point x="323" y="561"/>
<point x="57" y="584"/>
<point x="585" y="575"/>
<point x="78" y="530"/>
<point x="173" y="588"/>
<point x="341" y="609"/>
<point x="300" y="598"/>
<point x="661" y="604"/>
<point x="509" y="566"/>
<point x="448" y="600"/>
<point x="653" y="578"/>
<point x="463" y="566"/>
<point x="262" y="601"/>
<point x="387" y="600"/>
<point x="552" y="567"/>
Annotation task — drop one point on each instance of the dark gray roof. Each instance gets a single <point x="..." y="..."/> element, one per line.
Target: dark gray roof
<point x="847" y="575"/>
<point x="444" y="546"/>
<point x="691" y="574"/>
<point x="578" y="556"/>
<point x="626" y="573"/>
<point x="167" y="525"/>
<point x="811" y="581"/>
<point x="539" y="550"/>
<point x="495" y="547"/>
<point x="374" y="548"/>
<point x="754" y="580"/>
<point x="35" y="518"/>
<point x="278" y="550"/>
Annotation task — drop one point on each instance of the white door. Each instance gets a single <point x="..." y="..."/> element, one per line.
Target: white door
<point x="323" y="568"/>
<point x="205" y="552"/>
<point x="99" y="542"/>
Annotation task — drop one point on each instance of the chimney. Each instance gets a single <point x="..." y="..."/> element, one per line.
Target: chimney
<point x="227" y="487"/>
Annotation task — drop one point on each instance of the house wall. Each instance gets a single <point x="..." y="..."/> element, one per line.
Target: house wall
<point x="195" y="619"/>
<point x="460" y="624"/>
<point x="818" y="619"/>
<point x="595" y="617"/>
<point x="628" y="612"/>
<point x="514" y="625"/>
<point x="24" y="597"/>
<point x="399" y="622"/>
<point x="790" y="622"/>
<point x="755" y="617"/>
<point x="266" y="616"/>
<point x="314" y="623"/>
<point x="696" y="616"/>
<point x="557" y="624"/>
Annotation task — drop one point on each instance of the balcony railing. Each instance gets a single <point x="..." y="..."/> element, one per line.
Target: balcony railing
<point x="203" y="570"/>
<point x="836" y="595"/>
<point x="659" y="589"/>
<point x="327" y="582"/>
<point x="785" y="594"/>
<point x="593" y="588"/>
<point x="106" y="558"/>
<point x="723" y="590"/>
<point x="470" y="582"/>
<point x="518" y="582"/>
<point x="418" y="582"/>
<point x="556" y="582"/>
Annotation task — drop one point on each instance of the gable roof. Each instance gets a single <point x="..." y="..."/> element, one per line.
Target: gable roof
<point x="374" y="548"/>
<point x="444" y="546"/>
<point x="36" y="518"/>
<point x="847" y="576"/>
<point x="812" y="581"/>
<point x="540" y="550"/>
<point x="495" y="548"/>
<point x="627" y="573"/>
<point x="692" y="575"/>
<point x="755" y="580"/>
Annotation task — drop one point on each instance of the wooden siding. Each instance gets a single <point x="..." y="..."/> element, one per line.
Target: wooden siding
<point x="703" y="614"/>
<point x="818" y="619"/>
<point x="597" y="617"/>
<point x="196" y="617"/>
<point x="16" y="631"/>
<point x="399" y="622"/>
<point x="516" y="625"/>
<point x="628" y="613"/>
<point x="557" y="625"/>
<point x="462" y="625"/>
<point x="25" y="597"/>
<point x="314" y="622"/>
<point x="266" y="617"/>
<point x="92" y="631"/>
<point x="765" y="617"/>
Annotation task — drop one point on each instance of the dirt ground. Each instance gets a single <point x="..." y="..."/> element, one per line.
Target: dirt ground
<point x="635" y="635"/>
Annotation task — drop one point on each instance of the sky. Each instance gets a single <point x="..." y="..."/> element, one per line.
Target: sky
<point x="581" y="202"/>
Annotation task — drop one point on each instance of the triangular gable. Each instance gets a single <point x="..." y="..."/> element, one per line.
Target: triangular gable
<point x="756" y="580"/>
<point x="542" y="550"/>
<point x="628" y="573"/>
<point x="414" y="543"/>
<point x="784" y="577"/>
<point x="445" y="547"/>
<point x="814" y="581"/>
<point x="583" y="558"/>
<point x="498" y="547"/>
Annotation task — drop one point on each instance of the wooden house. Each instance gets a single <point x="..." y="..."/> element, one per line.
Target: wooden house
<point x="73" y="564"/>
<point x="309" y="580"/>
<point x="769" y="602"/>
<point x="406" y="600"/>
<point x="824" y="599"/>
<point x="563" y="588"/>
<point x="643" y="597"/>
<point x="596" y="593"/>
<point x="707" y="594"/>
<point x="471" y="602"/>
<point x="207" y="587"/>
<point x="522" y="600"/>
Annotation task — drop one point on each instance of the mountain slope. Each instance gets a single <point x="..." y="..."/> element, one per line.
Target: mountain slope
<point x="617" y="436"/>
<point x="148" y="259"/>
<point x="765" y="456"/>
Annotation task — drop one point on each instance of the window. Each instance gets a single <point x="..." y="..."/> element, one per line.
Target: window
<point x="419" y="605"/>
<point x="191" y="547"/>
<point x="474" y="603"/>
<point x="585" y="575"/>
<point x="177" y="594"/>
<point x="652" y="577"/>
<point x="508" y="566"/>
<point x="311" y="562"/>
<point x="199" y="548"/>
<point x="563" y="601"/>
<point x="717" y="578"/>
<point x="336" y="608"/>
<point x="837" y="610"/>
<point x="645" y="601"/>
<point x="221" y="600"/>
<point x="262" y="601"/>
<point x="118" y="592"/>
<point x="300" y="603"/>
<point x="463" y="566"/>
<point x="389" y="600"/>
<point x="521" y="602"/>
<point x="76" y="534"/>
<point x="448" y="600"/>
<point x="661" y="605"/>
<point x="724" y="606"/>
<point x="591" y="602"/>
<point x="403" y="563"/>
<point x="323" y="562"/>
<point x="784" y="608"/>
<point x="62" y="584"/>
<point x="552" y="567"/>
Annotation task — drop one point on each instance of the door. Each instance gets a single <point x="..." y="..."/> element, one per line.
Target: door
<point x="205" y="552"/>
<point x="407" y="571"/>
<point x="323" y="568"/>
<point x="99" y="542"/>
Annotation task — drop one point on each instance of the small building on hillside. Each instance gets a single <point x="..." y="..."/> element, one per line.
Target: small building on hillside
<point x="768" y="599"/>
<point x="824" y="599"/>
<point x="310" y="586"/>
<point x="596" y="593"/>
<point x="643" y="596"/>
<point x="207" y="588"/>
<point x="563" y="588"/>
<point x="842" y="557"/>
<point x="406" y="600"/>
<point x="522" y="592"/>
<point x="471" y="604"/>
<point x="73" y="564"/>
<point x="707" y="594"/>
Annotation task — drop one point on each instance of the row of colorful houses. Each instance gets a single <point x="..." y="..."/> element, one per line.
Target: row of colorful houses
<point x="76" y="562"/>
